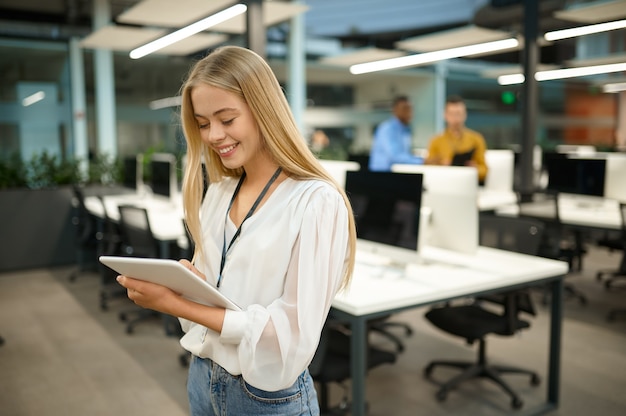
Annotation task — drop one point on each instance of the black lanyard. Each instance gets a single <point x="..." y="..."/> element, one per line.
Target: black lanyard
<point x="225" y="249"/>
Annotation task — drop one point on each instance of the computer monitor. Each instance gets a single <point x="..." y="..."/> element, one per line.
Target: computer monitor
<point x="615" y="177"/>
<point x="500" y="170"/>
<point x="386" y="207"/>
<point x="163" y="179"/>
<point x="451" y="194"/>
<point x="575" y="174"/>
<point x="132" y="171"/>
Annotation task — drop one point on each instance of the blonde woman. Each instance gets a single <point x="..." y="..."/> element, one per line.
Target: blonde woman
<point x="274" y="233"/>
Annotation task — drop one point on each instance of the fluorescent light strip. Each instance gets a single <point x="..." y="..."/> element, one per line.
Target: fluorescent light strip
<point x="585" y="30"/>
<point x="428" y="57"/>
<point x="34" y="98"/>
<point x="166" y="102"/>
<point x="564" y="73"/>
<point x="615" y="87"/>
<point x="187" y="31"/>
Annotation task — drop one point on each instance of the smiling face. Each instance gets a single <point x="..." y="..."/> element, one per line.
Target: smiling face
<point x="227" y="126"/>
<point x="455" y="115"/>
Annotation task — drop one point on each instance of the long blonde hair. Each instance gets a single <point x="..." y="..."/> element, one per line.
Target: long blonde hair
<point x="244" y="73"/>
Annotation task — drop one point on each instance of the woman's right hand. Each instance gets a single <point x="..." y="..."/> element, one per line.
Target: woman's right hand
<point x="191" y="267"/>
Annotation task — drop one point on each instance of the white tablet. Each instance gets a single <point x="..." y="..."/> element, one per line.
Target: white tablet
<point x="172" y="274"/>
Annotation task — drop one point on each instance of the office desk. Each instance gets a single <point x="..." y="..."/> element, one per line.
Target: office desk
<point x="165" y="216"/>
<point x="575" y="210"/>
<point x="490" y="200"/>
<point x="381" y="289"/>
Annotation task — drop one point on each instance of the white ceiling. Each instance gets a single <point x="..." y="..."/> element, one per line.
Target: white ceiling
<point x="361" y="55"/>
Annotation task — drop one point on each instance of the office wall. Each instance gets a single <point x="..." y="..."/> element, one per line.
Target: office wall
<point x="595" y="113"/>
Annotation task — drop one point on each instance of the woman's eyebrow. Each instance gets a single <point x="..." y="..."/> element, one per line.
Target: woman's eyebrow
<point x="224" y="110"/>
<point x="218" y="112"/>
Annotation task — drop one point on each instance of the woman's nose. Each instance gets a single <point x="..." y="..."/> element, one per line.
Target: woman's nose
<point x="216" y="133"/>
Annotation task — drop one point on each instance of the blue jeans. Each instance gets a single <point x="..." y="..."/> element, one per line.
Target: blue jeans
<point x="213" y="391"/>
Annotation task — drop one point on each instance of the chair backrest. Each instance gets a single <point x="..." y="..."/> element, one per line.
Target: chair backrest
<point x="81" y="219"/>
<point x="521" y="235"/>
<point x="622" y="211"/>
<point x="110" y="234"/>
<point x="136" y="232"/>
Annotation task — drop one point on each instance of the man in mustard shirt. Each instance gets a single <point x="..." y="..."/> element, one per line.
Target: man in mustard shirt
<point x="458" y="145"/>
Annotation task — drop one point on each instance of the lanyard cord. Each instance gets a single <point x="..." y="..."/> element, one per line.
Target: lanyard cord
<point x="225" y="249"/>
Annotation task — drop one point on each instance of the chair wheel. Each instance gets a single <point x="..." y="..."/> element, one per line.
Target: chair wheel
<point x="599" y="276"/>
<point x="441" y="395"/>
<point x="517" y="403"/>
<point x="535" y="380"/>
<point x="122" y="317"/>
<point x="129" y="329"/>
<point x="428" y="370"/>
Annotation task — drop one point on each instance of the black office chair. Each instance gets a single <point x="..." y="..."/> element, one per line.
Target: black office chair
<point x="109" y="239"/>
<point x="375" y="220"/>
<point x="497" y="314"/>
<point x="331" y="363"/>
<point x="137" y="241"/>
<point x="616" y="244"/>
<point x="86" y="230"/>
<point x="620" y="273"/>
<point x="557" y="243"/>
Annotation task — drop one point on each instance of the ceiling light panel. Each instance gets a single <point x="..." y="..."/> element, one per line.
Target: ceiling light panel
<point x="360" y="56"/>
<point x="601" y="60"/>
<point x="120" y="38"/>
<point x="169" y="13"/>
<point x="274" y="12"/>
<point x="195" y="43"/>
<point x="595" y="13"/>
<point x="454" y="38"/>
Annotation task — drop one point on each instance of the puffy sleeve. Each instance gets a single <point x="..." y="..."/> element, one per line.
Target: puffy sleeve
<point x="277" y="342"/>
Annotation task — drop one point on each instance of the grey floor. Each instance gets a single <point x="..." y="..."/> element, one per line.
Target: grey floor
<point x="64" y="356"/>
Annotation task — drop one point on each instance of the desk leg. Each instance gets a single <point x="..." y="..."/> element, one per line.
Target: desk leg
<point x="358" y="347"/>
<point x="554" y="364"/>
<point x="165" y="249"/>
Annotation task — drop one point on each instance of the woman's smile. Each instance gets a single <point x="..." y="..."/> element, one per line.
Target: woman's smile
<point x="227" y="150"/>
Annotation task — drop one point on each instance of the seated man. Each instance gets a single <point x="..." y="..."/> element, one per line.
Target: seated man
<point x="392" y="139"/>
<point x="458" y="145"/>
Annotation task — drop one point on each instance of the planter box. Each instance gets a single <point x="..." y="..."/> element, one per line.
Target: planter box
<point x="36" y="228"/>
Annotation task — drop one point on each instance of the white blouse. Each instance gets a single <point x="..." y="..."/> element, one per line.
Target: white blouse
<point x="283" y="270"/>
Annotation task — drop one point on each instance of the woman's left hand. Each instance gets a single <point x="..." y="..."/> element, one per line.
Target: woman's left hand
<point x="148" y="295"/>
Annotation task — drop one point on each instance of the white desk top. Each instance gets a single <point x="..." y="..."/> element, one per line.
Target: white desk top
<point x="441" y="275"/>
<point x="490" y="199"/>
<point x="165" y="216"/>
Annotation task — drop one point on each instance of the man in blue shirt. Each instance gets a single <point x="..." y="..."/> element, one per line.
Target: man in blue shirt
<point x="392" y="138"/>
